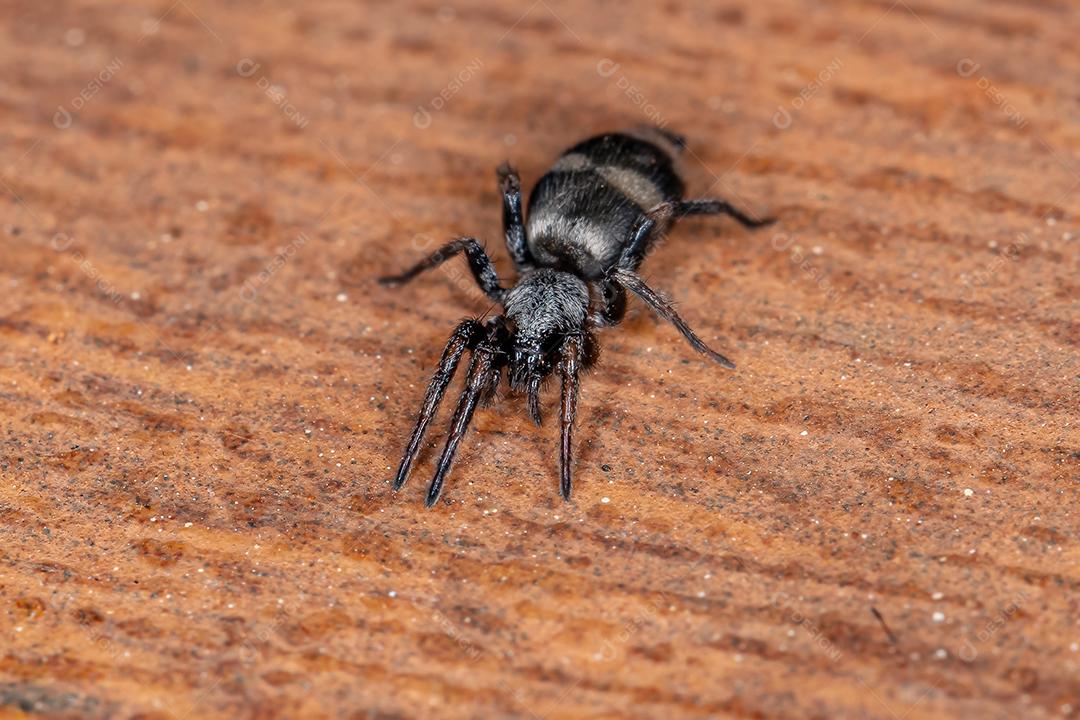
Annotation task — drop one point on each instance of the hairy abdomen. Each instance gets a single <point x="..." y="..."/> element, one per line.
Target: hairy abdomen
<point x="581" y="213"/>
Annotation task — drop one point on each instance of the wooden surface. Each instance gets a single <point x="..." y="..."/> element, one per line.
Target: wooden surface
<point x="203" y="392"/>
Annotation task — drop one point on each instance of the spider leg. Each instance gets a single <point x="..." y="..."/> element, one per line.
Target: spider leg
<point x="656" y="222"/>
<point x="479" y="263"/>
<point x="648" y="229"/>
<point x="609" y="308"/>
<point x="569" y="365"/>
<point x="513" y="225"/>
<point x="464" y="336"/>
<point x="713" y="206"/>
<point x="633" y="282"/>
<point x="482" y="368"/>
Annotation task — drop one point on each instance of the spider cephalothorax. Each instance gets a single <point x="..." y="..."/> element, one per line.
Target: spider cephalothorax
<point x="547" y="308"/>
<point x="592" y="219"/>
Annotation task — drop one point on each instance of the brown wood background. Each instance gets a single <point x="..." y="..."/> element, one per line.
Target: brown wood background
<point x="203" y="392"/>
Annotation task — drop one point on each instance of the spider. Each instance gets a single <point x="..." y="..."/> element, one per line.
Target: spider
<point x="592" y="219"/>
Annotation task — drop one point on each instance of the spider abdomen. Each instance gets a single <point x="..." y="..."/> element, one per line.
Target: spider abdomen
<point x="582" y="212"/>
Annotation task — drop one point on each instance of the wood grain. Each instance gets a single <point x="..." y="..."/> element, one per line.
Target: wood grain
<point x="203" y="391"/>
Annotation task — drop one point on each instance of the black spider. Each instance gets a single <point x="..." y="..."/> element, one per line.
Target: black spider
<point x="592" y="218"/>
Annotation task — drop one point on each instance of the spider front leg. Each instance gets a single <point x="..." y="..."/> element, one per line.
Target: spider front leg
<point x="464" y="337"/>
<point x="484" y="371"/>
<point x="483" y="270"/>
<point x="513" y="223"/>
<point x="569" y="366"/>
